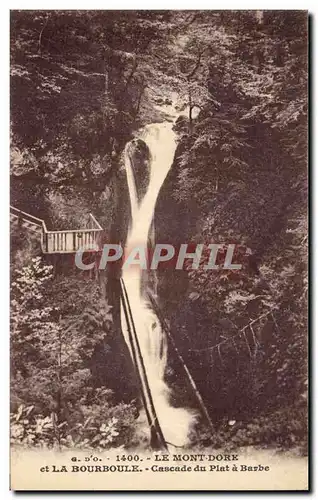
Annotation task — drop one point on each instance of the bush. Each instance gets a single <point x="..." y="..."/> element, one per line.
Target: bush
<point x="282" y="429"/>
<point x="99" y="427"/>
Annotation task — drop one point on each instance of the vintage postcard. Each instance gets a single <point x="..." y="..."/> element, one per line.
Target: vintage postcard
<point x="159" y="250"/>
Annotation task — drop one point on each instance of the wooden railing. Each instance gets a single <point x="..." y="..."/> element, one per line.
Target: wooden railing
<point x="33" y="223"/>
<point x="70" y="241"/>
<point x="65" y="241"/>
<point x="23" y="216"/>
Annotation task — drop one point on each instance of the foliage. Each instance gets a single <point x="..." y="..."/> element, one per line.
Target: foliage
<point x="97" y="431"/>
<point x="283" y="429"/>
<point x="54" y="399"/>
<point x="239" y="177"/>
<point x="31" y="318"/>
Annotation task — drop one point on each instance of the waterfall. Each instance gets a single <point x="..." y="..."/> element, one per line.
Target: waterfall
<point x="161" y="141"/>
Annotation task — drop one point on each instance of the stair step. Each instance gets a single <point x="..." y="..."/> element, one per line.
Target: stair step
<point x="16" y="222"/>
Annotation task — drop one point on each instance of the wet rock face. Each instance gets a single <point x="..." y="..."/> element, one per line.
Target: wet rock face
<point x="162" y="101"/>
<point x="181" y="124"/>
<point x="140" y="158"/>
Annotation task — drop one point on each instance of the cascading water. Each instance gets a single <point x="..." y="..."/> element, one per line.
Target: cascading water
<point x="161" y="141"/>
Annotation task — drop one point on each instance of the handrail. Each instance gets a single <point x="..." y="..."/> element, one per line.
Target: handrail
<point x="28" y="216"/>
<point x="31" y="218"/>
<point x="95" y="221"/>
<point x="192" y="383"/>
<point x="75" y="231"/>
<point x="60" y="237"/>
<point x="14" y="209"/>
<point x="155" y="426"/>
<point x="42" y="222"/>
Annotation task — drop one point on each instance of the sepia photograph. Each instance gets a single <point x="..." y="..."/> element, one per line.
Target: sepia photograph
<point x="159" y="250"/>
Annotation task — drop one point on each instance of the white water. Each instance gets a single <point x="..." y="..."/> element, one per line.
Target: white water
<point x="174" y="422"/>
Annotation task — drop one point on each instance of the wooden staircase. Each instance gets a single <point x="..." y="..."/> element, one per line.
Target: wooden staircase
<point x="59" y="242"/>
